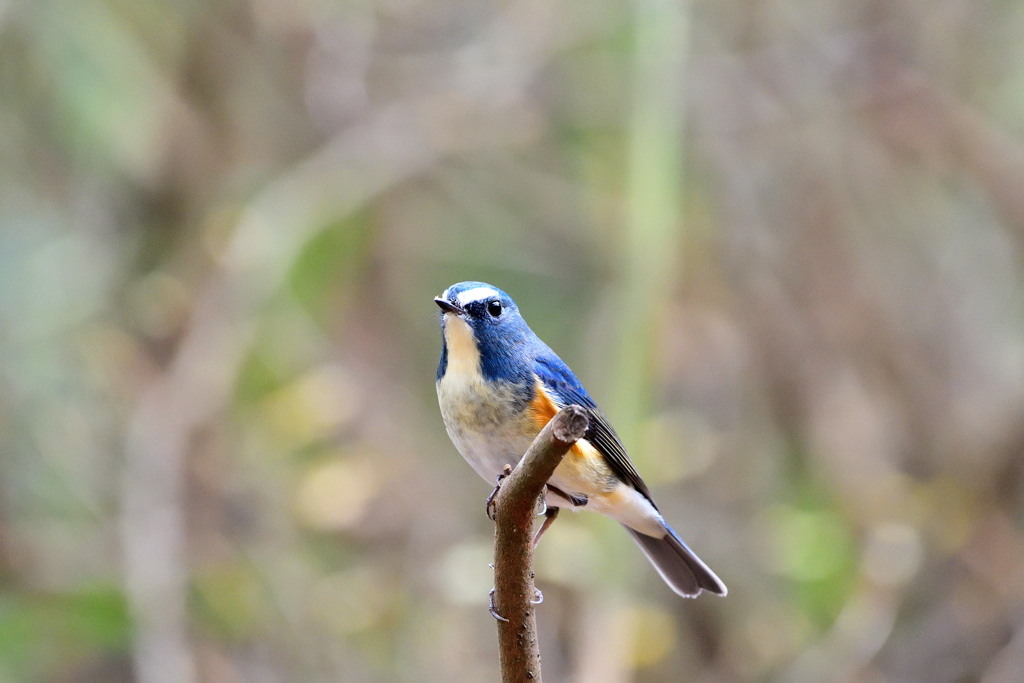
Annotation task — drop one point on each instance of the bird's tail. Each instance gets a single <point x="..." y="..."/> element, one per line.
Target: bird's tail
<point x="682" y="570"/>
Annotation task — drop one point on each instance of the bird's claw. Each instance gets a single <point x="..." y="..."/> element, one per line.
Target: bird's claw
<point x="490" y="597"/>
<point x="489" y="508"/>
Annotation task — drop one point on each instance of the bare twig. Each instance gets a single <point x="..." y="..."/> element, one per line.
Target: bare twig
<point x="515" y="594"/>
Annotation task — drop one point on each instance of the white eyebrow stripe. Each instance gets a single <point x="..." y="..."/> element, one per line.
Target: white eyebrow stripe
<point x="475" y="294"/>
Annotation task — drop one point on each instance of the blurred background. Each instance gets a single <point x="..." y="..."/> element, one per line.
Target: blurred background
<point x="780" y="242"/>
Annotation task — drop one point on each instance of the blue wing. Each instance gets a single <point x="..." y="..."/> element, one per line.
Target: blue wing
<point x="565" y="389"/>
<point x="677" y="564"/>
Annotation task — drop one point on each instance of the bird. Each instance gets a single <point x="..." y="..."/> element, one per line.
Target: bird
<point x="498" y="384"/>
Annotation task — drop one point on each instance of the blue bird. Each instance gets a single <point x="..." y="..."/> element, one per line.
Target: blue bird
<point x="498" y="384"/>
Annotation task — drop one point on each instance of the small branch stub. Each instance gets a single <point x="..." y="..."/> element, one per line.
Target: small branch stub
<point x="514" y="592"/>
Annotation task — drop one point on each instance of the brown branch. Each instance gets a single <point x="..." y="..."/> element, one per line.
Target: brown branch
<point x="514" y="593"/>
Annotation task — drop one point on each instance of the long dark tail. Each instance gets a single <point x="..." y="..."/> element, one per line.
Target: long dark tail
<point x="682" y="570"/>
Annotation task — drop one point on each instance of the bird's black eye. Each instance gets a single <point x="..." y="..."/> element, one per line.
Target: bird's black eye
<point x="494" y="308"/>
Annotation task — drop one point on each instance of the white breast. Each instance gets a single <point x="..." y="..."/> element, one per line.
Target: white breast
<point x="481" y="417"/>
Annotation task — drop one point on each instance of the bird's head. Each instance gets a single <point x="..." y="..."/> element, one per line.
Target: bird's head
<point x="482" y="329"/>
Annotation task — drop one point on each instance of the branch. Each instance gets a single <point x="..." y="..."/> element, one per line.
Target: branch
<point x="513" y="544"/>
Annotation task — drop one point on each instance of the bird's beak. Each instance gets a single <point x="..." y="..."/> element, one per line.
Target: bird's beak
<point x="447" y="306"/>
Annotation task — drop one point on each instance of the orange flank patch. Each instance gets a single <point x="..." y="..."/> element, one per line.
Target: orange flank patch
<point x="542" y="408"/>
<point x="583" y="470"/>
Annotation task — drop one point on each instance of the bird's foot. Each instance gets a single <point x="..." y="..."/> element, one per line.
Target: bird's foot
<point x="576" y="500"/>
<point x="489" y="506"/>
<point x="541" y="508"/>
<point x="549" y="517"/>
<point x="490" y="597"/>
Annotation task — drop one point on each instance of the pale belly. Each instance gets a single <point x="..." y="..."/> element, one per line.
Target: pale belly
<point x="490" y="431"/>
<point x="485" y="425"/>
<point x="489" y="452"/>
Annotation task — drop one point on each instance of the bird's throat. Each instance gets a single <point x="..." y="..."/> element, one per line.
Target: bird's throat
<point x="463" y="354"/>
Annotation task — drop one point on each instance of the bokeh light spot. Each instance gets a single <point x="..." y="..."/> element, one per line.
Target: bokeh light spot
<point x="892" y="554"/>
<point x="463" y="574"/>
<point x="803" y="545"/>
<point x="333" y="495"/>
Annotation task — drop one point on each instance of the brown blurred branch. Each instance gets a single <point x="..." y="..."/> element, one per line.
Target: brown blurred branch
<point x="513" y="544"/>
<point x="919" y="116"/>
